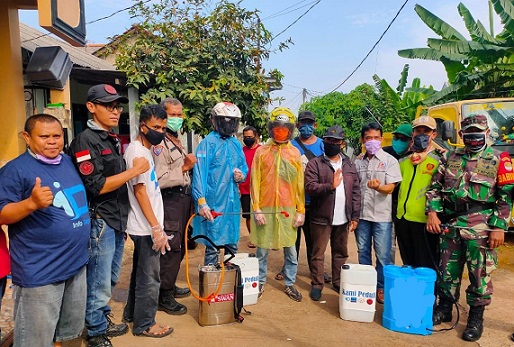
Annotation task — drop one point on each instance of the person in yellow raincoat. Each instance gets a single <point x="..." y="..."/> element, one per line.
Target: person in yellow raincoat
<point x="278" y="198"/>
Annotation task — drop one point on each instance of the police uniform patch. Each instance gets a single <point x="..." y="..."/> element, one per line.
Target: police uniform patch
<point x="157" y="150"/>
<point x="86" y="168"/>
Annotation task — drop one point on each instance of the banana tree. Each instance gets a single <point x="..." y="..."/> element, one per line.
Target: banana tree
<point x="479" y="67"/>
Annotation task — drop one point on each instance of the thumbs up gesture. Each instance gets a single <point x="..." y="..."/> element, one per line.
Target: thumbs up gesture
<point x="41" y="197"/>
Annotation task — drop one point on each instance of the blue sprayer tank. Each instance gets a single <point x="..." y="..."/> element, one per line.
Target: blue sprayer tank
<point x="409" y="299"/>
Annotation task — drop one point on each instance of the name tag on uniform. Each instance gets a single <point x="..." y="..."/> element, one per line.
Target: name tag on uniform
<point x="106" y="151"/>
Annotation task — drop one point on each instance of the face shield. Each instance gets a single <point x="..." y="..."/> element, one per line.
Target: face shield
<point x="226" y="126"/>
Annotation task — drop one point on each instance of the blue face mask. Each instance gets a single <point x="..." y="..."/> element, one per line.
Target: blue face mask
<point x="306" y="130"/>
<point x="400" y="146"/>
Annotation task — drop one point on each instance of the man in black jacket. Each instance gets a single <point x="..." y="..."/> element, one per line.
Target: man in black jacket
<point x="333" y="184"/>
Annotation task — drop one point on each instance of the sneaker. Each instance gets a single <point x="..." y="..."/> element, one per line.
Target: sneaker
<point x="115" y="329"/>
<point x="261" y="290"/>
<point x="315" y="294"/>
<point x="293" y="293"/>
<point x="98" y="341"/>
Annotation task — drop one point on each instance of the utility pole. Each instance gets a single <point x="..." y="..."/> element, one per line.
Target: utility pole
<point x="304" y="95"/>
<point x="491" y="24"/>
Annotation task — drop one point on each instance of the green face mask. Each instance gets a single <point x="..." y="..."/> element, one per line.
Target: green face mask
<point x="174" y="123"/>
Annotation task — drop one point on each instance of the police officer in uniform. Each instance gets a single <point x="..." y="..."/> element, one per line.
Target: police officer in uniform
<point x="97" y="156"/>
<point x="471" y="192"/>
<point x="172" y="166"/>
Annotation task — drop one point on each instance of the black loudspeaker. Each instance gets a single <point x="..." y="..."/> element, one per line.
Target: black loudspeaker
<point x="49" y="67"/>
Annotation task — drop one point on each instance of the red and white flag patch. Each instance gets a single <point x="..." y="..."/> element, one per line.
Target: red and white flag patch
<point x="83" y="156"/>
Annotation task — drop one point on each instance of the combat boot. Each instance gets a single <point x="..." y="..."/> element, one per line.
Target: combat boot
<point x="443" y="311"/>
<point x="168" y="304"/>
<point x="475" y="325"/>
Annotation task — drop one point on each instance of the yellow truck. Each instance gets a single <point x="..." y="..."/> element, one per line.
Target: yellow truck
<point x="500" y="117"/>
<point x="499" y="113"/>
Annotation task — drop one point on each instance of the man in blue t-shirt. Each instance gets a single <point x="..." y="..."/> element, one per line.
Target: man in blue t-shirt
<point x="310" y="146"/>
<point x="43" y="201"/>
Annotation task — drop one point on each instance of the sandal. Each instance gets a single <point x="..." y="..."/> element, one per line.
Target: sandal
<point x="251" y="245"/>
<point x="160" y="333"/>
<point x="279" y="276"/>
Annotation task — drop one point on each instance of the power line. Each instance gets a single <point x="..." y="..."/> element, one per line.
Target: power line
<point x="283" y="12"/>
<point x="372" y="48"/>
<point x="296" y="20"/>
<point x="95" y="20"/>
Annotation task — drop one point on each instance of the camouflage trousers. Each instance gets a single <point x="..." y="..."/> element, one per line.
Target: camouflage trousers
<point x="480" y="260"/>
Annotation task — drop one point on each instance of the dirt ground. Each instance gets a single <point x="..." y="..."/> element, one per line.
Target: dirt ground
<point x="276" y="320"/>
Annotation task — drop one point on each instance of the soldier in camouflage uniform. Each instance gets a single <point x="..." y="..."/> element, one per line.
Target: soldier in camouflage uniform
<point x="471" y="192"/>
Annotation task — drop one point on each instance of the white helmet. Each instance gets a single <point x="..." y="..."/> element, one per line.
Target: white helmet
<point x="226" y="118"/>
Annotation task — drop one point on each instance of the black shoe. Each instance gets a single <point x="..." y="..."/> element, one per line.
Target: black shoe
<point x="168" y="304"/>
<point x="443" y="311"/>
<point x="336" y="288"/>
<point x="475" y="325"/>
<point x="326" y="278"/>
<point x="115" y="329"/>
<point x="512" y="337"/>
<point x="315" y="294"/>
<point x="98" y="341"/>
<point x="178" y="292"/>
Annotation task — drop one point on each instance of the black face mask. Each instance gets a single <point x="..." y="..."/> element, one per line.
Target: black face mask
<point x="420" y="142"/>
<point x="331" y="150"/>
<point x="249" y="141"/>
<point x="153" y="136"/>
<point x="475" y="142"/>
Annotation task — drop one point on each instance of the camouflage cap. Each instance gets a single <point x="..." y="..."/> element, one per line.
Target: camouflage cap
<point x="478" y="121"/>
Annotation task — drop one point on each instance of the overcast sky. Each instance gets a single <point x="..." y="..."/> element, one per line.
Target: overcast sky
<point x="329" y="41"/>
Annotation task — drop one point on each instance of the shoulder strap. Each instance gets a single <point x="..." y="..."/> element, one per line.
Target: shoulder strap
<point x="307" y="152"/>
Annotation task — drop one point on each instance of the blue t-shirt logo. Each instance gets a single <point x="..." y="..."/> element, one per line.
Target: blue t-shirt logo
<point x="73" y="200"/>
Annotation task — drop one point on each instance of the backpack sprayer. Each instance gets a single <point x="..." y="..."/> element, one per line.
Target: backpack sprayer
<point x="221" y="287"/>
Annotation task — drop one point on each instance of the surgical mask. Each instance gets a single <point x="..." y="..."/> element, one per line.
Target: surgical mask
<point x="306" y="130"/>
<point x="475" y="142"/>
<point x="373" y="146"/>
<point x="400" y="146"/>
<point x="420" y="142"/>
<point x="249" y="141"/>
<point x="174" y="123"/>
<point x="51" y="161"/>
<point x="331" y="150"/>
<point x="153" y="136"/>
<point x="280" y="134"/>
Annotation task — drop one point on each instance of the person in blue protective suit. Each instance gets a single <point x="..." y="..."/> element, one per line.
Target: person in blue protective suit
<point x="220" y="166"/>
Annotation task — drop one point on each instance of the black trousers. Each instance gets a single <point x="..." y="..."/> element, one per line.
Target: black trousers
<point x="177" y="210"/>
<point x="418" y="247"/>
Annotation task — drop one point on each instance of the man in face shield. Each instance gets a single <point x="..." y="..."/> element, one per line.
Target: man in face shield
<point x="220" y="166"/>
<point x="470" y="192"/>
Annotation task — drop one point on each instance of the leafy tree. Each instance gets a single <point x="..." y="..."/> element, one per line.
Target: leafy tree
<point x="480" y="67"/>
<point x="351" y="111"/>
<point x="199" y="55"/>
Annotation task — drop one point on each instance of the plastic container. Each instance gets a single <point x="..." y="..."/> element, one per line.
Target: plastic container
<point x="357" y="296"/>
<point x="249" y="276"/>
<point x="409" y="299"/>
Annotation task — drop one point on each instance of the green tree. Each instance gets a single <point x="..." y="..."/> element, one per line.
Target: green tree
<point x="351" y="111"/>
<point x="480" y="67"/>
<point x="201" y="53"/>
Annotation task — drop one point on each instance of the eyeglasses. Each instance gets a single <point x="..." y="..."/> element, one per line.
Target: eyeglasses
<point x="111" y="107"/>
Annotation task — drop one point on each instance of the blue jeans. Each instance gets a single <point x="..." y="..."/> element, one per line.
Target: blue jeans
<point x="54" y="311"/>
<point x="211" y="256"/>
<point x="103" y="270"/>
<point x="290" y="265"/>
<point x="143" y="296"/>
<point x="380" y="234"/>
